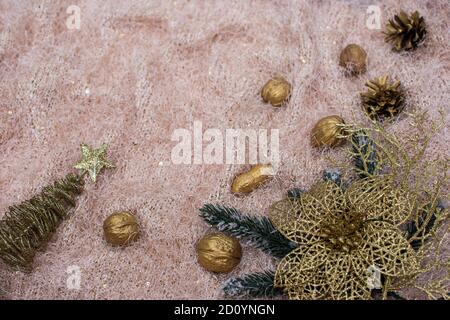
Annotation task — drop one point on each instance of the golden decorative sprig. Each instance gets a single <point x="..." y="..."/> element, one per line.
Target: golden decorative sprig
<point x="401" y="157"/>
<point x="341" y="234"/>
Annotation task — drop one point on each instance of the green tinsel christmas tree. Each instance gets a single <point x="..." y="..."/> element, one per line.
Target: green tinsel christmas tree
<point x="28" y="226"/>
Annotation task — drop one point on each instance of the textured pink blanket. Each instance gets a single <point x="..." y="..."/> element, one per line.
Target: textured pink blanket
<point x="132" y="72"/>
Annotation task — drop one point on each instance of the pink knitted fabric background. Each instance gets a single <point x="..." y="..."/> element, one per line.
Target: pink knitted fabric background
<point x="137" y="70"/>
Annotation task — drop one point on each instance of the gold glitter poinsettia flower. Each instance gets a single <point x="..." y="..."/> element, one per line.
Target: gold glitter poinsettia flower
<point x="341" y="235"/>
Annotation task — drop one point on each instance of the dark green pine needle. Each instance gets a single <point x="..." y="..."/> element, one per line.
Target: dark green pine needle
<point x="294" y="193"/>
<point x="377" y="294"/>
<point x="419" y="230"/>
<point x="333" y="175"/>
<point x="364" y="154"/>
<point x="258" y="231"/>
<point x="257" y="285"/>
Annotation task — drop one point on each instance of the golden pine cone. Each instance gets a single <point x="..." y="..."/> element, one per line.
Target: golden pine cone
<point x="406" y="32"/>
<point x="383" y="98"/>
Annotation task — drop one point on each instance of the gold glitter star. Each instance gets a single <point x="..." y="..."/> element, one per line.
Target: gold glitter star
<point x="93" y="161"/>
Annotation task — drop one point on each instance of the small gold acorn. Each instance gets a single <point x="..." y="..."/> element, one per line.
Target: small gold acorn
<point x="327" y="132"/>
<point x="252" y="179"/>
<point x="219" y="253"/>
<point x="383" y="99"/>
<point x="406" y="32"/>
<point x="276" y="91"/>
<point x="120" y="228"/>
<point x="354" y="59"/>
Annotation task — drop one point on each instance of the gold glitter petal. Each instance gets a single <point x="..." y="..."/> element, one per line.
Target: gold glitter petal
<point x="378" y="198"/>
<point x="301" y="220"/>
<point x="288" y="267"/>
<point x="385" y="248"/>
<point x="300" y="266"/>
<point x="286" y="216"/>
<point x="347" y="276"/>
<point x="329" y="198"/>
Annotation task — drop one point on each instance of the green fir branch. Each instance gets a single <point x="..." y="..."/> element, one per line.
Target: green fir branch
<point x="417" y="232"/>
<point x="333" y="175"/>
<point x="377" y="294"/>
<point x="258" y="231"/>
<point x="257" y="285"/>
<point x="364" y="154"/>
<point x="294" y="193"/>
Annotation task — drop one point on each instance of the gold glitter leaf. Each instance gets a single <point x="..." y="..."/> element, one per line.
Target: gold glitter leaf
<point x="386" y="249"/>
<point x="379" y="198"/>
